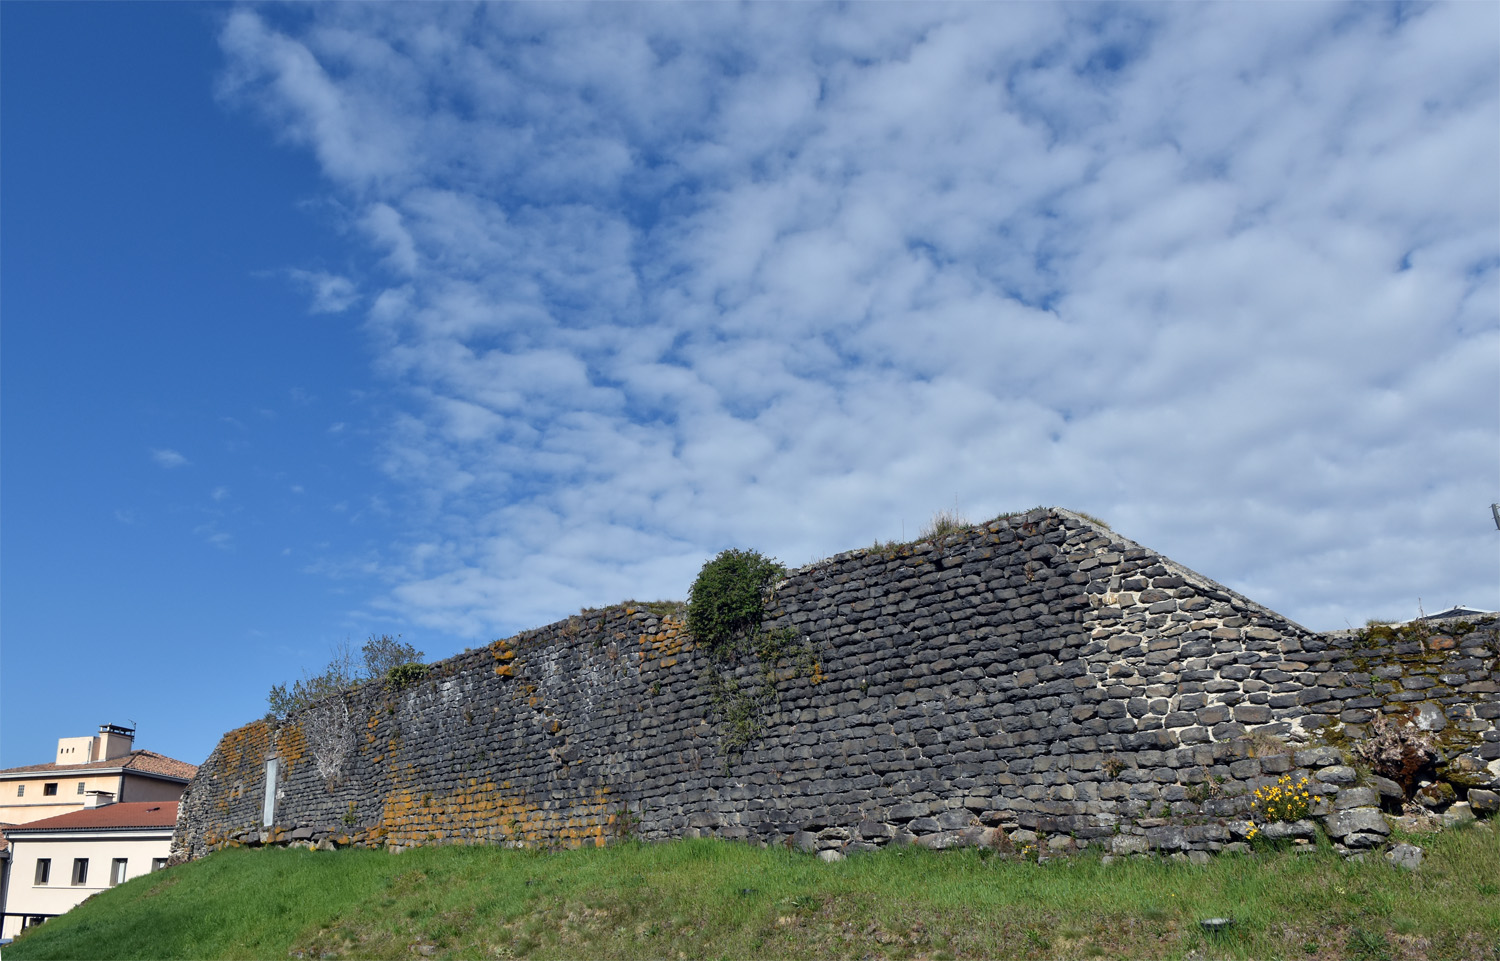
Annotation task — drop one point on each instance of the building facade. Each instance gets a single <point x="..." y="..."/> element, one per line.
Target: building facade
<point x="105" y="764"/>
<point x="57" y="862"/>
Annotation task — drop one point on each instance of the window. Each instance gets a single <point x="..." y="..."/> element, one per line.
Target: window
<point x="158" y="864"/>
<point x="117" y="872"/>
<point x="80" y="787"/>
<point x="80" y="870"/>
<point x="20" y="790"/>
<point x="50" y="790"/>
<point x="43" y="870"/>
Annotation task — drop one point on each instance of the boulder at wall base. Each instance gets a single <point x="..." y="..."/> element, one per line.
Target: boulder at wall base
<point x="1362" y="840"/>
<point x="1405" y="856"/>
<point x="1435" y="795"/>
<point x="1483" y="802"/>
<point x="1129" y="844"/>
<point x="1458" y="813"/>
<point x="1341" y="824"/>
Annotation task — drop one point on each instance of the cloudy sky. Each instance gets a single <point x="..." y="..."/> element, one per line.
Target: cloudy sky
<point x="448" y="321"/>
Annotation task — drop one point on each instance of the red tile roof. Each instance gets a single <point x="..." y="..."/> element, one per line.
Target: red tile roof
<point x="128" y="814"/>
<point x="136" y="762"/>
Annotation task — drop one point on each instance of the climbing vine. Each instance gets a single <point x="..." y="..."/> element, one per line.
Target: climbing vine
<point x="725" y="611"/>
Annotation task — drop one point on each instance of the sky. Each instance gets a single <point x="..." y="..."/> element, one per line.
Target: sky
<point x="324" y="321"/>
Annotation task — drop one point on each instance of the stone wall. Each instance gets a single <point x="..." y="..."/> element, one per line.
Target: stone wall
<point x="1037" y="680"/>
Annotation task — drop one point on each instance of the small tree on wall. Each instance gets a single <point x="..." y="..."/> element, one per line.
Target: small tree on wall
<point x="320" y="702"/>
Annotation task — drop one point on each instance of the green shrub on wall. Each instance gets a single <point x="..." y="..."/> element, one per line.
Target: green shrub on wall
<point x="726" y="606"/>
<point x="728" y="600"/>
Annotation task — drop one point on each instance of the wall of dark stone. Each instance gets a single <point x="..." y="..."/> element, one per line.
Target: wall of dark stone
<point x="1037" y="680"/>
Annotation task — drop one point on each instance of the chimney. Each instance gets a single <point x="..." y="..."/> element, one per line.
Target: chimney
<point x="98" y="799"/>
<point x="114" y="741"/>
<point x="76" y="750"/>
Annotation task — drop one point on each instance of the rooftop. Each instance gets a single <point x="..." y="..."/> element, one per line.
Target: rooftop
<point x="147" y="763"/>
<point x="128" y="814"/>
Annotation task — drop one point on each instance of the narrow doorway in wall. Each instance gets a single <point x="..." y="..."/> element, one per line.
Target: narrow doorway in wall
<point x="268" y="807"/>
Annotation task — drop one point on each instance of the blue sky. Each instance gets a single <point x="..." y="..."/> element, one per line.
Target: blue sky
<point x="447" y="321"/>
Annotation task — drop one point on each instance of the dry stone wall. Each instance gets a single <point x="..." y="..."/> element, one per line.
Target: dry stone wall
<point x="1037" y="680"/>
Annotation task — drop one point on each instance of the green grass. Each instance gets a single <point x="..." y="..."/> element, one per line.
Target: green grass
<point x="708" y="899"/>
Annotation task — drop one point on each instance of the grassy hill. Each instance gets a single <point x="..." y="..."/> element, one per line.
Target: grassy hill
<point x="708" y="899"/>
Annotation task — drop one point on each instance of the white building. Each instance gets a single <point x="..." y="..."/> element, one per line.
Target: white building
<point x="56" y="862"/>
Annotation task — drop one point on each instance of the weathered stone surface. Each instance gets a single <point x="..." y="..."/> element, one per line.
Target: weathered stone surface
<point x="1018" y="674"/>
<point x="1356" y="797"/>
<point x="1484" y="802"/>
<point x="1436" y="795"/>
<point x="1338" y="774"/>
<point x="1405" y="856"/>
<point x="1341" y="824"/>
<point x="1458" y="813"/>
<point x="1317" y="757"/>
<point x="1289" y="830"/>
<point x="1430" y="717"/>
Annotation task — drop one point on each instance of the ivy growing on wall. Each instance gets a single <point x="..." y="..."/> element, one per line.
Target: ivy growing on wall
<point x="725" y="611"/>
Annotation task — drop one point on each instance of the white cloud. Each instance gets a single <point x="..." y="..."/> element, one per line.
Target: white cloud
<point x="220" y="494"/>
<point x="658" y="281"/>
<point x="215" y="537"/>
<point x="168" y="458"/>
<point x="330" y="293"/>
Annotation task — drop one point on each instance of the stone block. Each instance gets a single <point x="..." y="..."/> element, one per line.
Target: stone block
<point x="907" y="810"/>
<point x="1367" y="820"/>
<point x="1458" y="813"/>
<point x="1339" y="774"/>
<point x="1483" y="802"/>
<point x="1356" y="797"/>
<point x="954" y="820"/>
<point x="1408" y="857"/>
<point x="1317" y="757"/>
<point x="1289" y="830"/>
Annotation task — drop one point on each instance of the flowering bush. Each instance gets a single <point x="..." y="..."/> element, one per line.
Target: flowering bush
<point x="1285" y="800"/>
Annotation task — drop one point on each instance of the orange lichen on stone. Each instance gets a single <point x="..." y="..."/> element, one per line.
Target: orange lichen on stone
<point x="669" y="640"/>
<point x="481" y="811"/>
<point x="244" y="749"/>
<point x="291" y="744"/>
